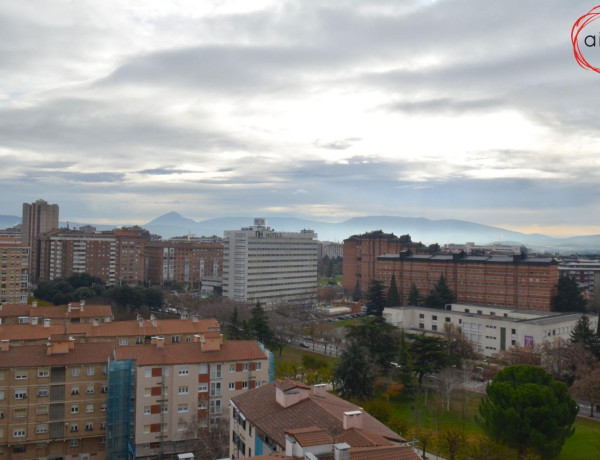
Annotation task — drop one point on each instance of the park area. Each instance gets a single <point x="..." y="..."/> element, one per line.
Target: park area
<point x="449" y="427"/>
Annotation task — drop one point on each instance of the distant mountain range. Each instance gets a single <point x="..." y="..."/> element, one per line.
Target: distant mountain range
<point x="425" y="230"/>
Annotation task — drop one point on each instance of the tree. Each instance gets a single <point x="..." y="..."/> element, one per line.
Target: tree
<point x="414" y="297"/>
<point x="354" y="376"/>
<point x="567" y="296"/>
<point x="207" y="443"/>
<point x="357" y="294"/>
<point x="379" y="337"/>
<point x="587" y="388"/>
<point x="428" y="354"/>
<point x="403" y="361"/>
<point x="258" y="325"/>
<point x="525" y="408"/>
<point x="453" y="440"/>
<point x="440" y="295"/>
<point x="584" y="333"/>
<point x="233" y="326"/>
<point x="448" y="380"/>
<point x="375" y="298"/>
<point x="393" y="299"/>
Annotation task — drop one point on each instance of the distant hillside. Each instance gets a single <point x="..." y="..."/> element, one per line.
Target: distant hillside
<point x="9" y="221"/>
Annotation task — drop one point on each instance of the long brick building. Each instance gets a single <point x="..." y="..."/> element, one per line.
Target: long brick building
<point x="508" y="281"/>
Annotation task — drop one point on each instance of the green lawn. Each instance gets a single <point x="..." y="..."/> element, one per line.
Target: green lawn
<point x="291" y="360"/>
<point x="585" y="443"/>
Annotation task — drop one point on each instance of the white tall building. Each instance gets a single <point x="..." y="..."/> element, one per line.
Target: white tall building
<point x="272" y="267"/>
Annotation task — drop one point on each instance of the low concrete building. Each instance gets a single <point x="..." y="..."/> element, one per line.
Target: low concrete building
<point x="490" y="329"/>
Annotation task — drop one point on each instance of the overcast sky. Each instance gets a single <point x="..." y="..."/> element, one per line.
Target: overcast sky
<point x="477" y="110"/>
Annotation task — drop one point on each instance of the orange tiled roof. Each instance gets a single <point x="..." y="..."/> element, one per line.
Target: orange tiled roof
<point x="384" y="453"/>
<point x="37" y="355"/>
<point x="56" y="311"/>
<point x="179" y="353"/>
<point x="311" y="436"/>
<point x="109" y="330"/>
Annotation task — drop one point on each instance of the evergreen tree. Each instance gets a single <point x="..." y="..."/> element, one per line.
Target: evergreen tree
<point x="568" y="296"/>
<point x="428" y="354"/>
<point x="440" y="295"/>
<point x="584" y="333"/>
<point x="413" y="296"/>
<point x="233" y="328"/>
<point x="378" y="337"/>
<point x="357" y="294"/>
<point x="376" y="298"/>
<point x="258" y="325"/>
<point x="393" y="298"/>
<point x="354" y="376"/>
<point x="403" y="360"/>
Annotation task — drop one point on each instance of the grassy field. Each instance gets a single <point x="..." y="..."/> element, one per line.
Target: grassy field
<point x="585" y="443"/>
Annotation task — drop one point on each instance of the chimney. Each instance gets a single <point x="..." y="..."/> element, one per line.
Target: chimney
<point x="81" y="305"/>
<point x="46" y="322"/>
<point x="319" y="389"/>
<point x="195" y="318"/>
<point x="95" y="322"/>
<point x="140" y="320"/>
<point x="69" y="307"/>
<point x="34" y="304"/>
<point x="341" y="451"/>
<point x="34" y="320"/>
<point x="352" y="419"/>
<point x="153" y="319"/>
<point x="4" y="345"/>
<point x="197" y="338"/>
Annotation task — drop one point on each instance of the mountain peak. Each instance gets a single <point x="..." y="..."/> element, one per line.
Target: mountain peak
<point x="172" y="218"/>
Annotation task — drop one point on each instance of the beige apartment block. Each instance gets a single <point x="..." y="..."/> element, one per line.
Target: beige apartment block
<point x="14" y="268"/>
<point x="180" y="385"/>
<point x="72" y="313"/>
<point x="53" y="400"/>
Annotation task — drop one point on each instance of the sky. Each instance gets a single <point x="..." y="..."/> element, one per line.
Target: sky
<point x="121" y="111"/>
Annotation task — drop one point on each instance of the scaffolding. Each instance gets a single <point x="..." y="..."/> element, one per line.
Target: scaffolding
<point x="119" y="445"/>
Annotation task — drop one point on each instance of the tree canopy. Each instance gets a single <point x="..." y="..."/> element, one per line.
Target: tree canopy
<point x="378" y="337"/>
<point x="376" y="298"/>
<point x="584" y="333"/>
<point x="440" y="295"/>
<point x="414" y="298"/>
<point x="567" y="296"/>
<point x="393" y="298"/>
<point x="526" y="408"/>
<point x="428" y="354"/>
<point x="258" y="325"/>
<point x="354" y="377"/>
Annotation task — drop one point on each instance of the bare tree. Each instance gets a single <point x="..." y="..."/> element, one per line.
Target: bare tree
<point x="448" y="380"/>
<point x="207" y="442"/>
<point x="565" y="360"/>
<point x="587" y="388"/>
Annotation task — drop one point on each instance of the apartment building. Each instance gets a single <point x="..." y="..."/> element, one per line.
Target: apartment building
<point x="361" y="253"/>
<point x="38" y="218"/>
<point x="517" y="282"/>
<point x="287" y="419"/>
<point x="490" y="329"/>
<point x="188" y="262"/>
<point x="586" y="273"/>
<point x="53" y="399"/>
<point x="176" y="387"/>
<point x="330" y="249"/>
<point x="271" y="267"/>
<point x="14" y="268"/>
<point x="72" y="313"/>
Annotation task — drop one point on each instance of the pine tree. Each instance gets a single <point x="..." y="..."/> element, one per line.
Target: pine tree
<point x="354" y="376"/>
<point x="376" y="298"/>
<point x="393" y="299"/>
<point x="568" y="296"/>
<point x="258" y="325"/>
<point x="440" y="295"/>
<point x="413" y="296"/>
<point x="357" y="294"/>
<point x="233" y="328"/>
<point x="584" y="333"/>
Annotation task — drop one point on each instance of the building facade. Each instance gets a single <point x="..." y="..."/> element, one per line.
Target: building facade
<point x="271" y="267"/>
<point x="38" y="218"/>
<point x="586" y="273"/>
<point x="14" y="268"/>
<point x="491" y="330"/>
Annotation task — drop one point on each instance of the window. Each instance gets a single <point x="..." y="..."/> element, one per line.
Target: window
<point x="215" y="389"/>
<point x="103" y="407"/>
<point x="148" y="372"/>
<point x="43" y="372"/>
<point x="20" y="413"/>
<point x="202" y="405"/>
<point x="203" y="388"/>
<point x="244" y="385"/>
<point x="182" y="408"/>
<point x="20" y="374"/>
<point x="89" y="426"/>
<point x="184" y="371"/>
<point x="42" y="392"/>
<point x="41" y="409"/>
<point x="74" y="428"/>
<point x="104" y="389"/>
<point x="75" y="390"/>
<point x="74" y="409"/>
<point x="147" y="410"/>
<point x="103" y="425"/>
<point x="183" y="390"/>
<point x="147" y="391"/>
<point x="232" y="385"/>
<point x="175" y="338"/>
<point x="246" y="367"/>
<point x="123" y="341"/>
<point x="181" y="426"/>
<point x="215" y="371"/>
<point x="76" y="371"/>
<point x="89" y="407"/>
<point x="232" y="368"/>
<point x="203" y="368"/>
<point x="20" y="394"/>
<point x="215" y="406"/>
<point x="146" y="428"/>
<point x="1" y="395"/>
<point x="90" y="389"/>
<point x="258" y="366"/>
<point x="41" y="429"/>
<point x="91" y="370"/>
<point x="19" y="433"/>
<point x="74" y="442"/>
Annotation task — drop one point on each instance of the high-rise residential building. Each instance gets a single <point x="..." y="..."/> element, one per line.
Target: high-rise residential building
<point x="272" y="267"/>
<point x="586" y="273"/>
<point x="330" y="249"/>
<point x="14" y="268"/>
<point x="190" y="262"/>
<point x="38" y="218"/>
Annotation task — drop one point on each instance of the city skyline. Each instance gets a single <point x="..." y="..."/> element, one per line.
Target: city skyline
<point x="451" y="109"/>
